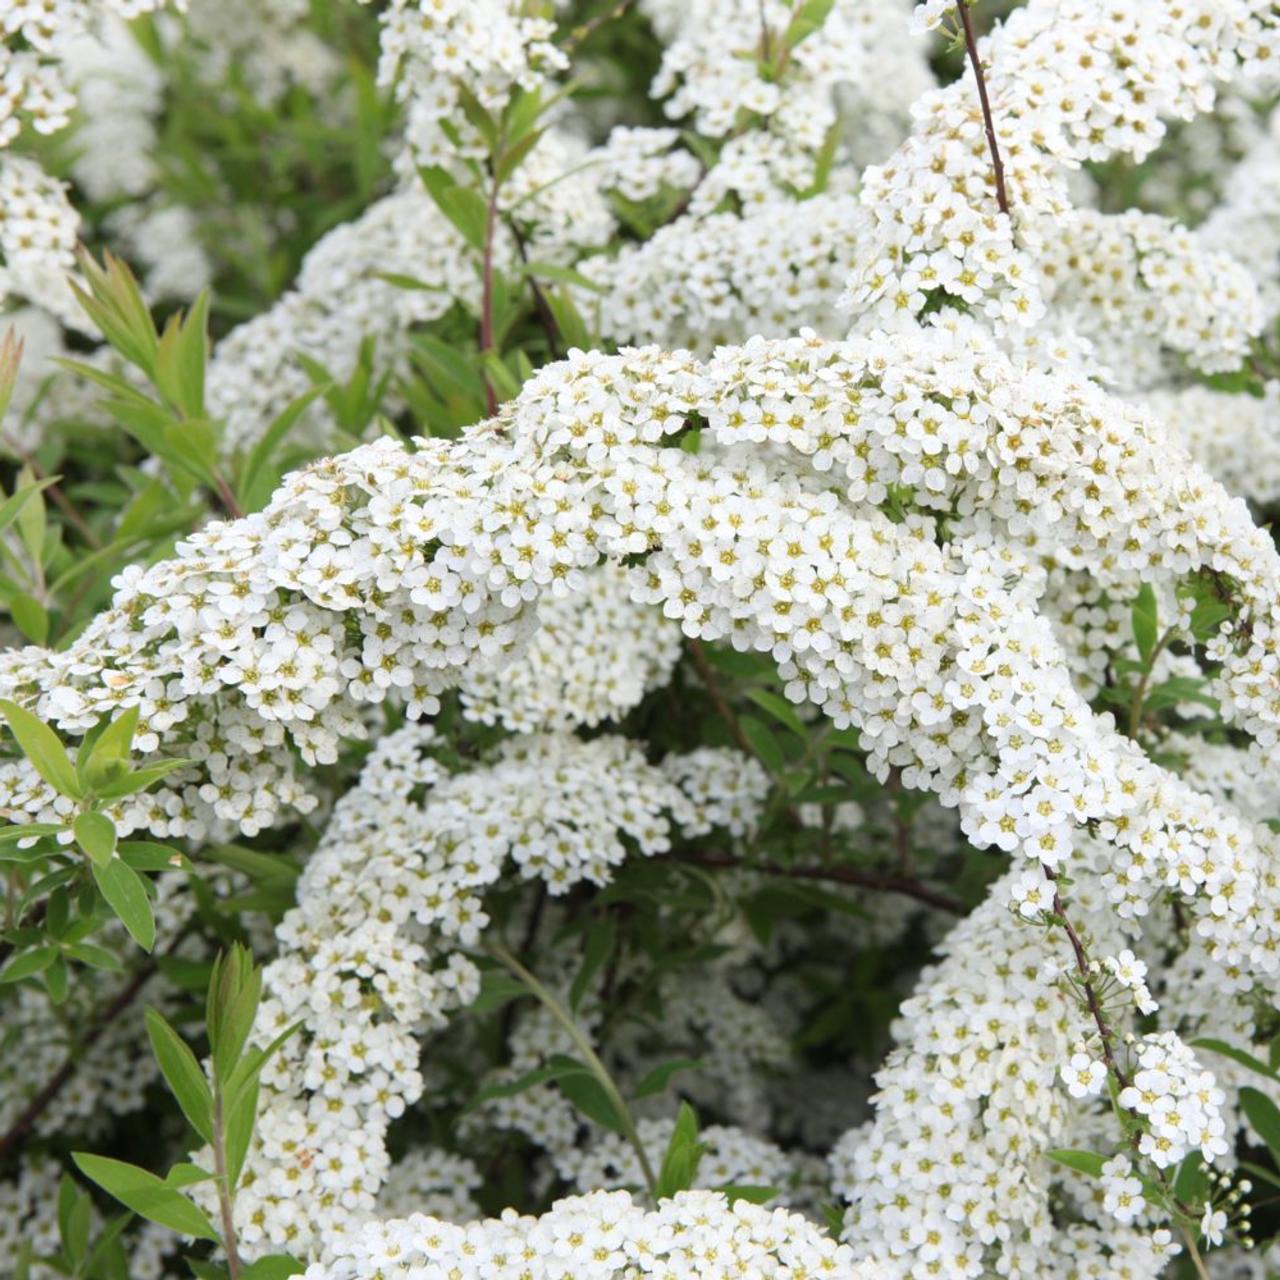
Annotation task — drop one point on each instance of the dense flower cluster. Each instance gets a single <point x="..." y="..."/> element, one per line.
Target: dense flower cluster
<point x="594" y="657"/>
<point x="969" y="516"/>
<point x="376" y="950"/>
<point x="600" y="1236"/>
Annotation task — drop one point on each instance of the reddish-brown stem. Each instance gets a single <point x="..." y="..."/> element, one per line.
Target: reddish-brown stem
<point x="226" y="497"/>
<point x="971" y="46"/>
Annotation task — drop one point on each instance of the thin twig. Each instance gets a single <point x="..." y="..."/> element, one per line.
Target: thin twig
<point x="546" y="316"/>
<point x="589" y="1055"/>
<point x="1121" y="1077"/>
<point x="60" y="499"/>
<point x="60" y="1078"/>
<point x="862" y="877"/>
<point x="971" y="45"/>
<point x="589" y="28"/>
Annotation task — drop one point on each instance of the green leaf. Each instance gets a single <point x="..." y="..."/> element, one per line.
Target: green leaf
<point x="40" y="745"/>
<point x="749" y="1192"/>
<point x="589" y="1096"/>
<point x="124" y="891"/>
<point x="146" y="1195"/>
<point x="74" y="1212"/>
<point x="465" y="208"/>
<point x="109" y="751"/>
<point x="257" y="478"/>
<point x="656" y="1081"/>
<point x="1264" y="1117"/>
<point x="12" y="507"/>
<point x="764" y="744"/>
<point x="96" y="834"/>
<point x="497" y="989"/>
<point x="277" y="1267"/>
<point x="27" y="963"/>
<point x="29" y="616"/>
<point x="139" y="779"/>
<point x="1190" y="1183"/>
<point x="530" y="1079"/>
<point x="238" y="1128"/>
<point x="234" y="988"/>
<point x="56" y="978"/>
<point x="182" y="1074"/>
<point x="95" y="957"/>
<point x="1145" y="622"/>
<point x="807" y="19"/>
<point x="1237" y="1055"/>
<point x="1081" y="1161"/>
<point x="779" y="708"/>
<point x="600" y="943"/>
<point x="144" y="855"/>
<point x="32" y="522"/>
<point x="684" y="1154"/>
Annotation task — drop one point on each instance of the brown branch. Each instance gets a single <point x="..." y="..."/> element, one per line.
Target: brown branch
<point x="971" y="45"/>
<point x="723" y="709"/>
<point x="58" y="1081"/>
<point x="546" y="316"/>
<point x="861" y="877"/>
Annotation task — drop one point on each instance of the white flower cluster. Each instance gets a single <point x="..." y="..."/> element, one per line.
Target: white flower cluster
<point x="1232" y="436"/>
<point x="38" y="226"/>
<point x="728" y="67"/>
<point x="386" y="572"/>
<point x="1248" y="215"/>
<point x="1179" y="1100"/>
<point x="433" y="1182"/>
<point x="601" y="1236"/>
<point x="705" y="280"/>
<point x="1136" y="284"/>
<point x="431" y="47"/>
<point x="373" y="953"/>
<point x="951" y="1174"/>
<point x="1068" y="82"/>
<point x="594" y="657"/>
<point x="269" y="45"/>
<point x="340" y="300"/>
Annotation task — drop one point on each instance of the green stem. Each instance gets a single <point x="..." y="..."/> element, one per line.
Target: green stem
<point x="1140" y="690"/>
<point x="589" y="1055"/>
<point x="226" y="1193"/>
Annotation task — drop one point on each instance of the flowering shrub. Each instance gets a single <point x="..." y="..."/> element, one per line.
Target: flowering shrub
<point x="641" y="638"/>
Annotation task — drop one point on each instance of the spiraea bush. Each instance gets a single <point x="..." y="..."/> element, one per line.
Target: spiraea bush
<point x="642" y="639"/>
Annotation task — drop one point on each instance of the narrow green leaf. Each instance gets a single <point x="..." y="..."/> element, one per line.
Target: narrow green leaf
<point x="124" y="891"/>
<point x="656" y="1081"/>
<point x="146" y="1195"/>
<point x="1145" y="622"/>
<point x="27" y="963"/>
<point x="277" y="1267"/>
<point x="1081" y="1161"/>
<point x="1264" y="1117"/>
<point x="40" y="745"/>
<point x="182" y="1074"/>
<point x="1237" y="1055"/>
